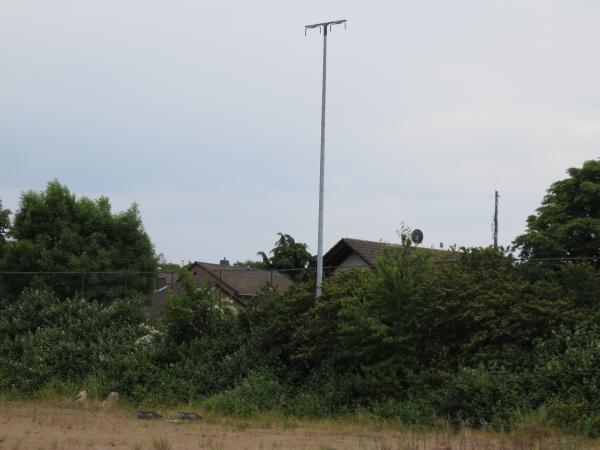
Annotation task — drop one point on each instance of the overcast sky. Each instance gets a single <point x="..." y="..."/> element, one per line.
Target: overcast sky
<point x="207" y="113"/>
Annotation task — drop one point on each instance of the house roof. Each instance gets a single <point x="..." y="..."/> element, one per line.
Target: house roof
<point x="368" y="251"/>
<point x="158" y="301"/>
<point x="234" y="281"/>
<point x="169" y="277"/>
<point x="245" y="281"/>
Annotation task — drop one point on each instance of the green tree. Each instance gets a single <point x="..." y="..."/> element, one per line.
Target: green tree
<point x="567" y="224"/>
<point x="4" y="226"/>
<point x="249" y="264"/>
<point x="166" y="266"/>
<point x="194" y="311"/>
<point x="376" y="329"/>
<point x="269" y="323"/>
<point x="53" y="231"/>
<point x="483" y="308"/>
<point x="316" y="337"/>
<point x="288" y="255"/>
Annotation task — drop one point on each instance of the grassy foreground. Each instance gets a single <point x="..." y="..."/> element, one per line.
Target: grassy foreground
<point x="56" y="423"/>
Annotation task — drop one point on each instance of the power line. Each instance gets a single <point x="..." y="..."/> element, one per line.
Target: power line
<point x="435" y="260"/>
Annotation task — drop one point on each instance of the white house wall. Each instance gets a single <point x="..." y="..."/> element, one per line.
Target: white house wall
<point x="353" y="261"/>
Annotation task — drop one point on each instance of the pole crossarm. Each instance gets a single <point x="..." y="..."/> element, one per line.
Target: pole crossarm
<point x="325" y="25"/>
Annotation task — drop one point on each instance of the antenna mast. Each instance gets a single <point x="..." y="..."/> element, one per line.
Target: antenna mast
<point x="325" y="27"/>
<point x="495" y="225"/>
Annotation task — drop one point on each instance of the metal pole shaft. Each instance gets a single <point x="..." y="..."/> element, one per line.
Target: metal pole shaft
<point x="496" y="219"/>
<point x="322" y="170"/>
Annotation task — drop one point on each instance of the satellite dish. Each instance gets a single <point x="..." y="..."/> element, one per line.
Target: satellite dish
<point x="417" y="236"/>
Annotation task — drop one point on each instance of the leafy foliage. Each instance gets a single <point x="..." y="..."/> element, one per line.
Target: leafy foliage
<point x="478" y="340"/>
<point x="288" y="255"/>
<point x="45" y="340"/>
<point x="4" y="226"/>
<point x="195" y="311"/>
<point x="53" y="231"/>
<point x="474" y="337"/>
<point x="567" y="224"/>
<point x="249" y="264"/>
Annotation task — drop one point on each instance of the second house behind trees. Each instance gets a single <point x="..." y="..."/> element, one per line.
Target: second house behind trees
<point x="237" y="285"/>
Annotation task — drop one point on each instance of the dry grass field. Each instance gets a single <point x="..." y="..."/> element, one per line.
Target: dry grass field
<point x="56" y="424"/>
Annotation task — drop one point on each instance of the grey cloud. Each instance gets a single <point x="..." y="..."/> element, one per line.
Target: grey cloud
<point x="207" y="114"/>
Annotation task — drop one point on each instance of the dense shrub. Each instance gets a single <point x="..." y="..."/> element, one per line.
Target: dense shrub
<point x="44" y="339"/>
<point x="255" y="393"/>
<point x="478" y="338"/>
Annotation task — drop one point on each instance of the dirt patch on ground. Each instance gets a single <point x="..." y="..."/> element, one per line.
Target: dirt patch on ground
<point x="44" y="425"/>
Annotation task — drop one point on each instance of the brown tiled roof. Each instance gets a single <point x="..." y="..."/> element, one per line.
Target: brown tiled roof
<point x="158" y="301"/>
<point x="234" y="281"/>
<point x="369" y="251"/>
<point x="169" y="277"/>
<point x="244" y="281"/>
